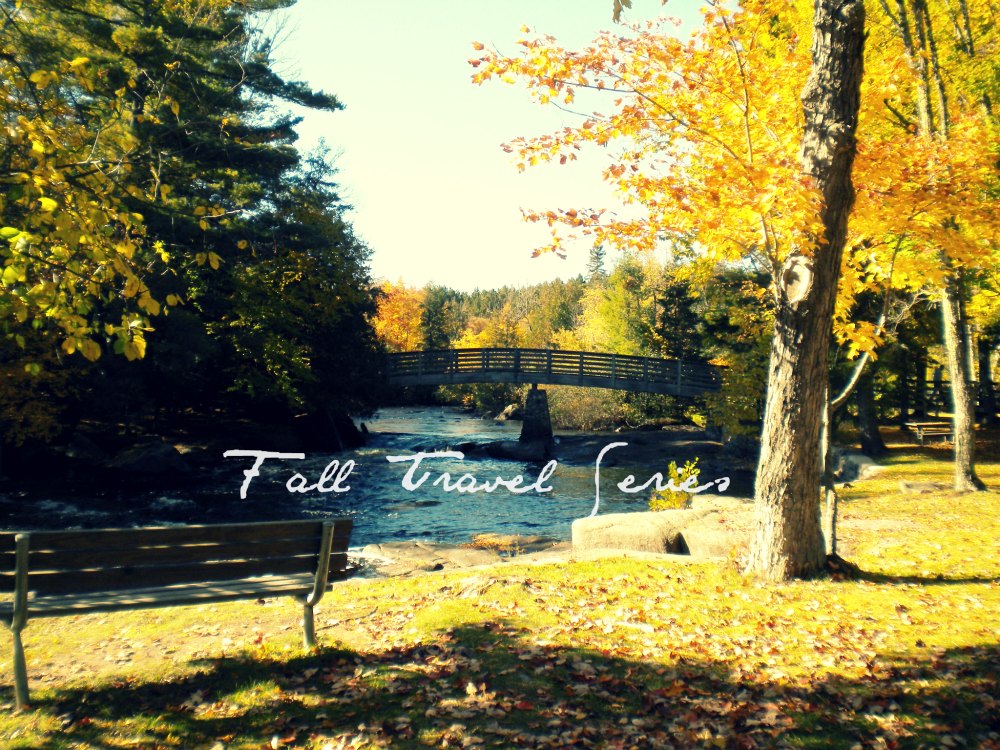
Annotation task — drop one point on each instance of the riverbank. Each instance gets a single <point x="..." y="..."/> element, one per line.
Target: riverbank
<point x="188" y="480"/>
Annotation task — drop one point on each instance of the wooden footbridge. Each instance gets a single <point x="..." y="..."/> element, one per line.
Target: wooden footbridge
<point x="555" y="367"/>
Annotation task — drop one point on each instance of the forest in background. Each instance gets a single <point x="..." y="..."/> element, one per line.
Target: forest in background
<point x="640" y="305"/>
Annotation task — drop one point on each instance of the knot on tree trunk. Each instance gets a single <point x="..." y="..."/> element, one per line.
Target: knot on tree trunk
<point x="796" y="278"/>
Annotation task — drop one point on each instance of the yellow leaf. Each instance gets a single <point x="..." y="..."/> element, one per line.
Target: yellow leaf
<point x="175" y="108"/>
<point x="131" y="286"/>
<point x="200" y="211"/>
<point x="149" y="304"/>
<point x="242" y="244"/>
<point x="77" y="62"/>
<point x="214" y="261"/>
<point x="48" y="205"/>
<point x="90" y="349"/>
<point x="42" y="78"/>
<point x="203" y="224"/>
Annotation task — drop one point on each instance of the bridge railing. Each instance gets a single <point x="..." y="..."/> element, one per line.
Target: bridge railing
<point x="562" y="365"/>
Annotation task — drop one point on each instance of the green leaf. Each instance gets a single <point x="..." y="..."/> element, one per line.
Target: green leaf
<point x="9" y="233"/>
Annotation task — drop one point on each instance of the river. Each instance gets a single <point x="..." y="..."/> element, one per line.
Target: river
<point x="382" y="508"/>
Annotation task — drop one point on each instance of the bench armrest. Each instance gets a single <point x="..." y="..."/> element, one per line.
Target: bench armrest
<point x="20" y="613"/>
<point x="323" y="568"/>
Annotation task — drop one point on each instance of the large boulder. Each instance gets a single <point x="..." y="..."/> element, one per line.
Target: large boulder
<point x="855" y="466"/>
<point x="652" y="531"/>
<point x="727" y="503"/>
<point x="512" y="411"/>
<point x="151" y="459"/>
<point x="533" y="451"/>
<point x="718" y="534"/>
<point x="330" y="431"/>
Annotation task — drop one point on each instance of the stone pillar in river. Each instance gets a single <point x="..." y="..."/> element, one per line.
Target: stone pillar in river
<point x="536" y="424"/>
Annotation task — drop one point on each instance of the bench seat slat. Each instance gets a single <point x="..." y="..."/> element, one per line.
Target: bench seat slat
<point x="78" y="539"/>
<point x="166" y="554"/>
<point x="84" y="581"/>
<point x="170" y="596"/>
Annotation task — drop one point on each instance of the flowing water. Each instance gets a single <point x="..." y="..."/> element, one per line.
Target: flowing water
<point x="382" y="508"/>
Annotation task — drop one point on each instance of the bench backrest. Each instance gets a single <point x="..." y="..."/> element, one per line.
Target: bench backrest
<point x="81" y="561"/>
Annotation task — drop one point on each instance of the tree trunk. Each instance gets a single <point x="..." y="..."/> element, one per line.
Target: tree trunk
<point x="964" y="423"/>
<point x="921" y="370"/>
<point x="787" y="540"/>
<point x="987" y="395"/>
<point x="871" y="440"/>
<point x="904" y="386"/>
<point x="828" y="512"/>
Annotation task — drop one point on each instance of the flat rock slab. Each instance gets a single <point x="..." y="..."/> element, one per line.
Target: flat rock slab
<point x="514" y="544"/>
<point x="922" y="488"/>
<point x="410" y="558"/>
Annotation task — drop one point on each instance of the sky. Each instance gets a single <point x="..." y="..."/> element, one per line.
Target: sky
<point x="418" y="144"/>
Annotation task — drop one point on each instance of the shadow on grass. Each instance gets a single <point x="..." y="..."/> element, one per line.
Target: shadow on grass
<point x="938" y="580"/>
<point x="494" y="682"/>
<point x="839" y="569"/>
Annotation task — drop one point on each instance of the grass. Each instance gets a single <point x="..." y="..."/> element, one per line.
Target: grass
<point x="605" y="654"/>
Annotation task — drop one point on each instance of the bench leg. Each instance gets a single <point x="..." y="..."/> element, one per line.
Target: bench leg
<point x="20" y="673"/>
<point x="308" y="627"/>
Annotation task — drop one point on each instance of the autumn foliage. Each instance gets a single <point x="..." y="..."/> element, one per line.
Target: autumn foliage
<point x="703" y="135"/>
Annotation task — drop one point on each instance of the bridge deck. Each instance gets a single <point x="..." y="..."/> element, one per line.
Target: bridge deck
<point x="557" y="367"/>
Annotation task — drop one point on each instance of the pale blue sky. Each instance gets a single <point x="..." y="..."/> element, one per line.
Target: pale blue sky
<point x="420" y="160"/>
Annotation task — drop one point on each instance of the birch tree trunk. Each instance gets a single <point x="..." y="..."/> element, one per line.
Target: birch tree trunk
<point x="987" y="393"/>
<point x="787" y="540"/>
<point x="963" y="401"/>
<point x="914" y="24"/>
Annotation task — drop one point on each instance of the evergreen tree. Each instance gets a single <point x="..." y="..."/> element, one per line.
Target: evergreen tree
<point x="215" y="218"/>
<point x="595" y="265"/>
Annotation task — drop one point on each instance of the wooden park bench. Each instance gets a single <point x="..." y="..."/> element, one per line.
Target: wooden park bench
<point x="58" y="573"/>
<point x="924" y="430"/>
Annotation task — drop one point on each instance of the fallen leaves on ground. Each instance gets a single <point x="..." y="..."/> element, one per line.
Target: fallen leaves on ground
<point x="614" y="653"/>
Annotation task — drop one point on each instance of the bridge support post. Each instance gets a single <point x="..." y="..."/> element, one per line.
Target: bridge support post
<point x="537" y="425"/>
